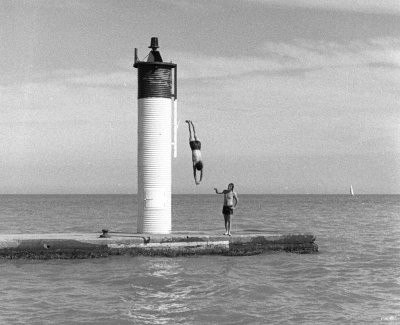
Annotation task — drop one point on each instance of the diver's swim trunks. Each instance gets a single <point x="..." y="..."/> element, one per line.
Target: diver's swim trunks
<point x="227" y="209"/>
<point x="195" y="145"/>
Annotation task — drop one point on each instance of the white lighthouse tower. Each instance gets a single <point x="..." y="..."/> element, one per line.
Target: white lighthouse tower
<point x="156" y="103"/>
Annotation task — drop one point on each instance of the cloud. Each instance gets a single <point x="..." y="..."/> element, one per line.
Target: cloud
<point x="71" y="4"/>
<point x="299" y="97"/>
<point x="97" y="79"/>
<point x="46" y="113"/>
<point x="184" y="5"/>
<point x="311" y="54"/>
<point x="365" y="6"/>
<point x="298" y="56"/>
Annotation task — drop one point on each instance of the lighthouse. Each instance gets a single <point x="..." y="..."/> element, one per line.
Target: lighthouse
<point x="157" y="121"/>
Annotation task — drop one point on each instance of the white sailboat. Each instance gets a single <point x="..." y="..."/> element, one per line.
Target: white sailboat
<point x="351" y="190"/>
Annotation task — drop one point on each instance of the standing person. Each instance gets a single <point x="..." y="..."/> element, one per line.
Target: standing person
<point x="230" y="202"/>
<point x="195" y="145"/>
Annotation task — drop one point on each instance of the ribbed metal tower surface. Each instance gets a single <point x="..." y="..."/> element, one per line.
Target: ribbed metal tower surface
<point x="155" y="105"/>
<point x="154" y="165"/>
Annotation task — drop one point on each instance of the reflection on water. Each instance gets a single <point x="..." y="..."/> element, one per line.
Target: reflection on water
<point x="160" y="295"/>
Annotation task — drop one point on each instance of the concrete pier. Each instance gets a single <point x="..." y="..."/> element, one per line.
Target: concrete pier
<point x="91" y="245"/>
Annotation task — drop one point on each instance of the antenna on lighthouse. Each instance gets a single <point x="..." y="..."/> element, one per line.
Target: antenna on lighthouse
<point x="136" y="56"/>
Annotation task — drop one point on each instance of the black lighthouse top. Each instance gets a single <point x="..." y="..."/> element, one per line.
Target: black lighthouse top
<point x="154" y="57"/>
<point x="154" y="75"/>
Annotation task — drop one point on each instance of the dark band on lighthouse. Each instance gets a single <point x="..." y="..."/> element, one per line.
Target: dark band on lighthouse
<point x="155" y="79"/>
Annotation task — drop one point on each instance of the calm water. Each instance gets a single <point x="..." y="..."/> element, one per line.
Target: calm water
<point x="354" y="279"/>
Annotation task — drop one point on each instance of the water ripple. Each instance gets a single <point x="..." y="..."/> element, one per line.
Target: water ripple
<point x="353" y="280"/>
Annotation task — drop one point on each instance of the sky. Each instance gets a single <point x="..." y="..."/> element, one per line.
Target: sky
<point x="288" y="97"/>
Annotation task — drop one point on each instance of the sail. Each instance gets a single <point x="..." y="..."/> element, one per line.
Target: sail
<point x="351" y="190"/>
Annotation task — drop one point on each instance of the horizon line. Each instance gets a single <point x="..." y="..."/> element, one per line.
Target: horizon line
<point x="103" y="194"/>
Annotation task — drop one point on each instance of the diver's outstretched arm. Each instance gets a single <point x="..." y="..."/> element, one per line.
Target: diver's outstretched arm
<point x="194" y="174"/>
<point x="196" y="180"/>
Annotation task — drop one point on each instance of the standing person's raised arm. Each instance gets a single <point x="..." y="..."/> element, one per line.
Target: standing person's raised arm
<point x="216" y="191"/>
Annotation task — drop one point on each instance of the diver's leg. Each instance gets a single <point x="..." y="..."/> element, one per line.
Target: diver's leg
<point x="194" y="131"/>
<point x="190" y="131"/>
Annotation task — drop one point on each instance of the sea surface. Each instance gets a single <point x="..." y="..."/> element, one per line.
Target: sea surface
<point x="354" y="279"/>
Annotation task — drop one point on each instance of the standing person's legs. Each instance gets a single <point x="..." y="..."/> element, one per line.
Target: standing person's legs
<point x="228" y="226"/>
<point x="227" y="211"/>
<point x="226" y="219"/>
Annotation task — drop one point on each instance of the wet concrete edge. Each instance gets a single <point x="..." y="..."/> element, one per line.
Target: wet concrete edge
<point x="79" y="246"/>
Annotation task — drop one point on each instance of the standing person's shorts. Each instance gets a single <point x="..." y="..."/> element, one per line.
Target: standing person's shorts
<point x="227" y="209"/>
